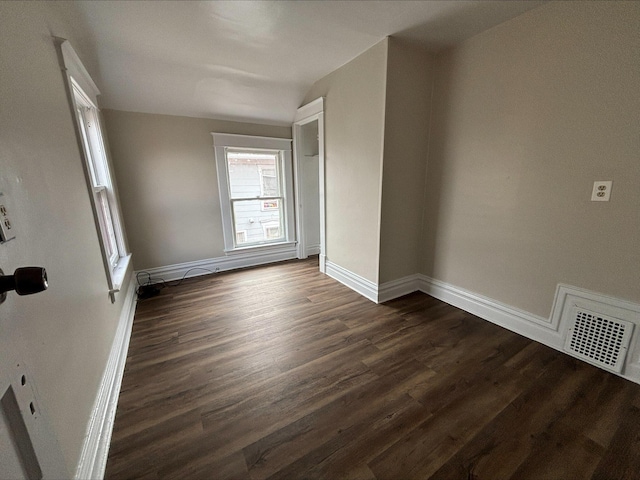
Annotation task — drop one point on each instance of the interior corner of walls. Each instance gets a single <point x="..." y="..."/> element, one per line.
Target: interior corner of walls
<point x="397" y="288"/>
<point x="355" y="282"/>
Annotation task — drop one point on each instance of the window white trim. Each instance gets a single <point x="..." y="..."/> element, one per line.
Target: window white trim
<point x="75" y="69"/>
<point x="311" y="112"/>
<point x="222" y="141"/>
<point x="82" y="96"/>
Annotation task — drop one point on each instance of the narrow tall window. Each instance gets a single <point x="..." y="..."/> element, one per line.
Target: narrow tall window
<point x="255" y="181"/>
<point x="98" y="174"/>
<point x="99" y="179"/>
<point x="255" y="194"/>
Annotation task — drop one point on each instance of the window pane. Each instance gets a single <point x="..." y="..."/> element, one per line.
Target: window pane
<point x="253" y="174"/>
<point x="106" y="224"/>
<point x="253" y="224"/>
<point x="87" y="145"/>
<point x="269" y="182"/>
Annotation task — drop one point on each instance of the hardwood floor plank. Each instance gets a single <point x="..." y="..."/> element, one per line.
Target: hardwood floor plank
<point x="281" y="372"/>
<point x="622" y="458"/>
<point x="425" y="449"/>
<point x="500" y="448"/>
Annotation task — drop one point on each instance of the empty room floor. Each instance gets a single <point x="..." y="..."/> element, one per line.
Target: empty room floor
<point x="282" y="372"/>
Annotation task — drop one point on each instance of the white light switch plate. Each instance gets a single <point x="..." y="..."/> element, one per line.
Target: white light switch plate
<point x="601" y="191"/>
<point x="6" y="227"/>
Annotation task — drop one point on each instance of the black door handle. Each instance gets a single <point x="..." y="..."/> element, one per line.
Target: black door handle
<point x="25" y="281"/>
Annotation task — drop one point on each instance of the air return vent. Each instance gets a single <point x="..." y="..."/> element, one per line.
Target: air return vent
<point x="599" y="339"/>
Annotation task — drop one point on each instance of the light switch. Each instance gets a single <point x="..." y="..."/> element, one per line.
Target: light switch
<point x="601" y="191"/>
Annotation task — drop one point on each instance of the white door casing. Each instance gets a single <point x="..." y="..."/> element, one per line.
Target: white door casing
<point x="311" y="112"/>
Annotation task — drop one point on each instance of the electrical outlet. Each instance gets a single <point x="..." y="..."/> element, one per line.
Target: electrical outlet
<point x="601" y="191"/>
<point x="6" y="227"/>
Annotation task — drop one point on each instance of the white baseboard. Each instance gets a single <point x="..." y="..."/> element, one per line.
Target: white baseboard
<point x="518" y="321"/>
<point x="93" y="459"/>
<point x="313" y="250"/>
<point x="355" y="282"/>
<point x="322" y="260"/>
<point x="218" y="264"/>
<point x="397" y="288"/>
<point x="549" y="332"/>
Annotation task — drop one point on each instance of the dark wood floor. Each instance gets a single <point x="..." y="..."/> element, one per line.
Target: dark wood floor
<point x="281" y="372"/>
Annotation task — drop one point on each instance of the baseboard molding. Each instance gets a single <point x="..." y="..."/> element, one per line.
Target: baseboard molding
<point x="93" y="459"/>
<point x="312" y="250"/>
<point x="549" y="332"/>
<point x="397" y="288"/>
<point x="355" y="282"/>
<point x="518" y="321"/>
<point x="218" y="264"/>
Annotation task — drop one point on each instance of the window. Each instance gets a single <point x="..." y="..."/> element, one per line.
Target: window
<point x="99" y="180"/>
<point x="269" y="186"/>
<point x="255" y="184"/>
<point x="272" y="231"/>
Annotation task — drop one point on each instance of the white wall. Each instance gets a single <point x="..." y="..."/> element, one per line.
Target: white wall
<point x="406" y="140"/>
<point x="526" y="116"/>
<point x="64" y="334"/>
<point x="354" y="118"/>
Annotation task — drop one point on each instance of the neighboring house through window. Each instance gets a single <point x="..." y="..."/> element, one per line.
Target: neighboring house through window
<point x="256" y="190"/>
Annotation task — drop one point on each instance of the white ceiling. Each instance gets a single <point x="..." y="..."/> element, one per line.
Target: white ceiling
<point x="255" y="60"/>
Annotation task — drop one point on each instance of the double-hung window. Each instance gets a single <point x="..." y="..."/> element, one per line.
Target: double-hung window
<point x="104" y="201"/>
<point x="256" y="191"/>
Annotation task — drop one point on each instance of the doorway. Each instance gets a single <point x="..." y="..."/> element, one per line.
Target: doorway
<point x="308" y="148"/>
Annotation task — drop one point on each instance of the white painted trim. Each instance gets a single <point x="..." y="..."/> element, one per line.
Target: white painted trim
<point x="397" y="288"/>
<point x="76" y="70"/>
<point x="218" y="264"/>
<point x="312" y="250"/>
<point x="309" y="110"/>
<point x="297" y="181"/>
<point x="221" y="141"/>
<point x="321" y="192"/>
<point x="565" y="293"/>
<point x="83" y="92"/>
<point x="261" y="248"/>
<point x="93" y="459"/>
<point x="568" y="297"/>
<point x="516" y="320"/>
<point x="355" y="282"/>
<point x="632" y="371"/>
<point x="550" y="332"/>
<point x="322" y="260"/>
<point x="313" y="111"/>
<point x="250" y="141"/>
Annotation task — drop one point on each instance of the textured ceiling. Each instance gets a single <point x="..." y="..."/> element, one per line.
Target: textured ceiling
<point x="255" y="60"/>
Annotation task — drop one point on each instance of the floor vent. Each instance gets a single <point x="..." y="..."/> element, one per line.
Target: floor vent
<point x="599" y="339"/>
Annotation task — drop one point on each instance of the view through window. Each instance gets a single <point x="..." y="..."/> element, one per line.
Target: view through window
<point x="256" y="195"/>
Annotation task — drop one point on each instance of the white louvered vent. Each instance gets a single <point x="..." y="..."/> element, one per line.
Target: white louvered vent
<point x="599" y="339"/>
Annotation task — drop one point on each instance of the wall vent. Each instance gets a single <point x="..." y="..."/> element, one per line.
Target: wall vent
<point x="599" y="339"/>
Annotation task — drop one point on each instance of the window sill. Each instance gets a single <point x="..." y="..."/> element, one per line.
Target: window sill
<point x="262" y="248"/>
<point x="118" y="274"/>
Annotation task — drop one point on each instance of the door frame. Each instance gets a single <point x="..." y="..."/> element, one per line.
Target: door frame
<point x="311" y="112"/>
